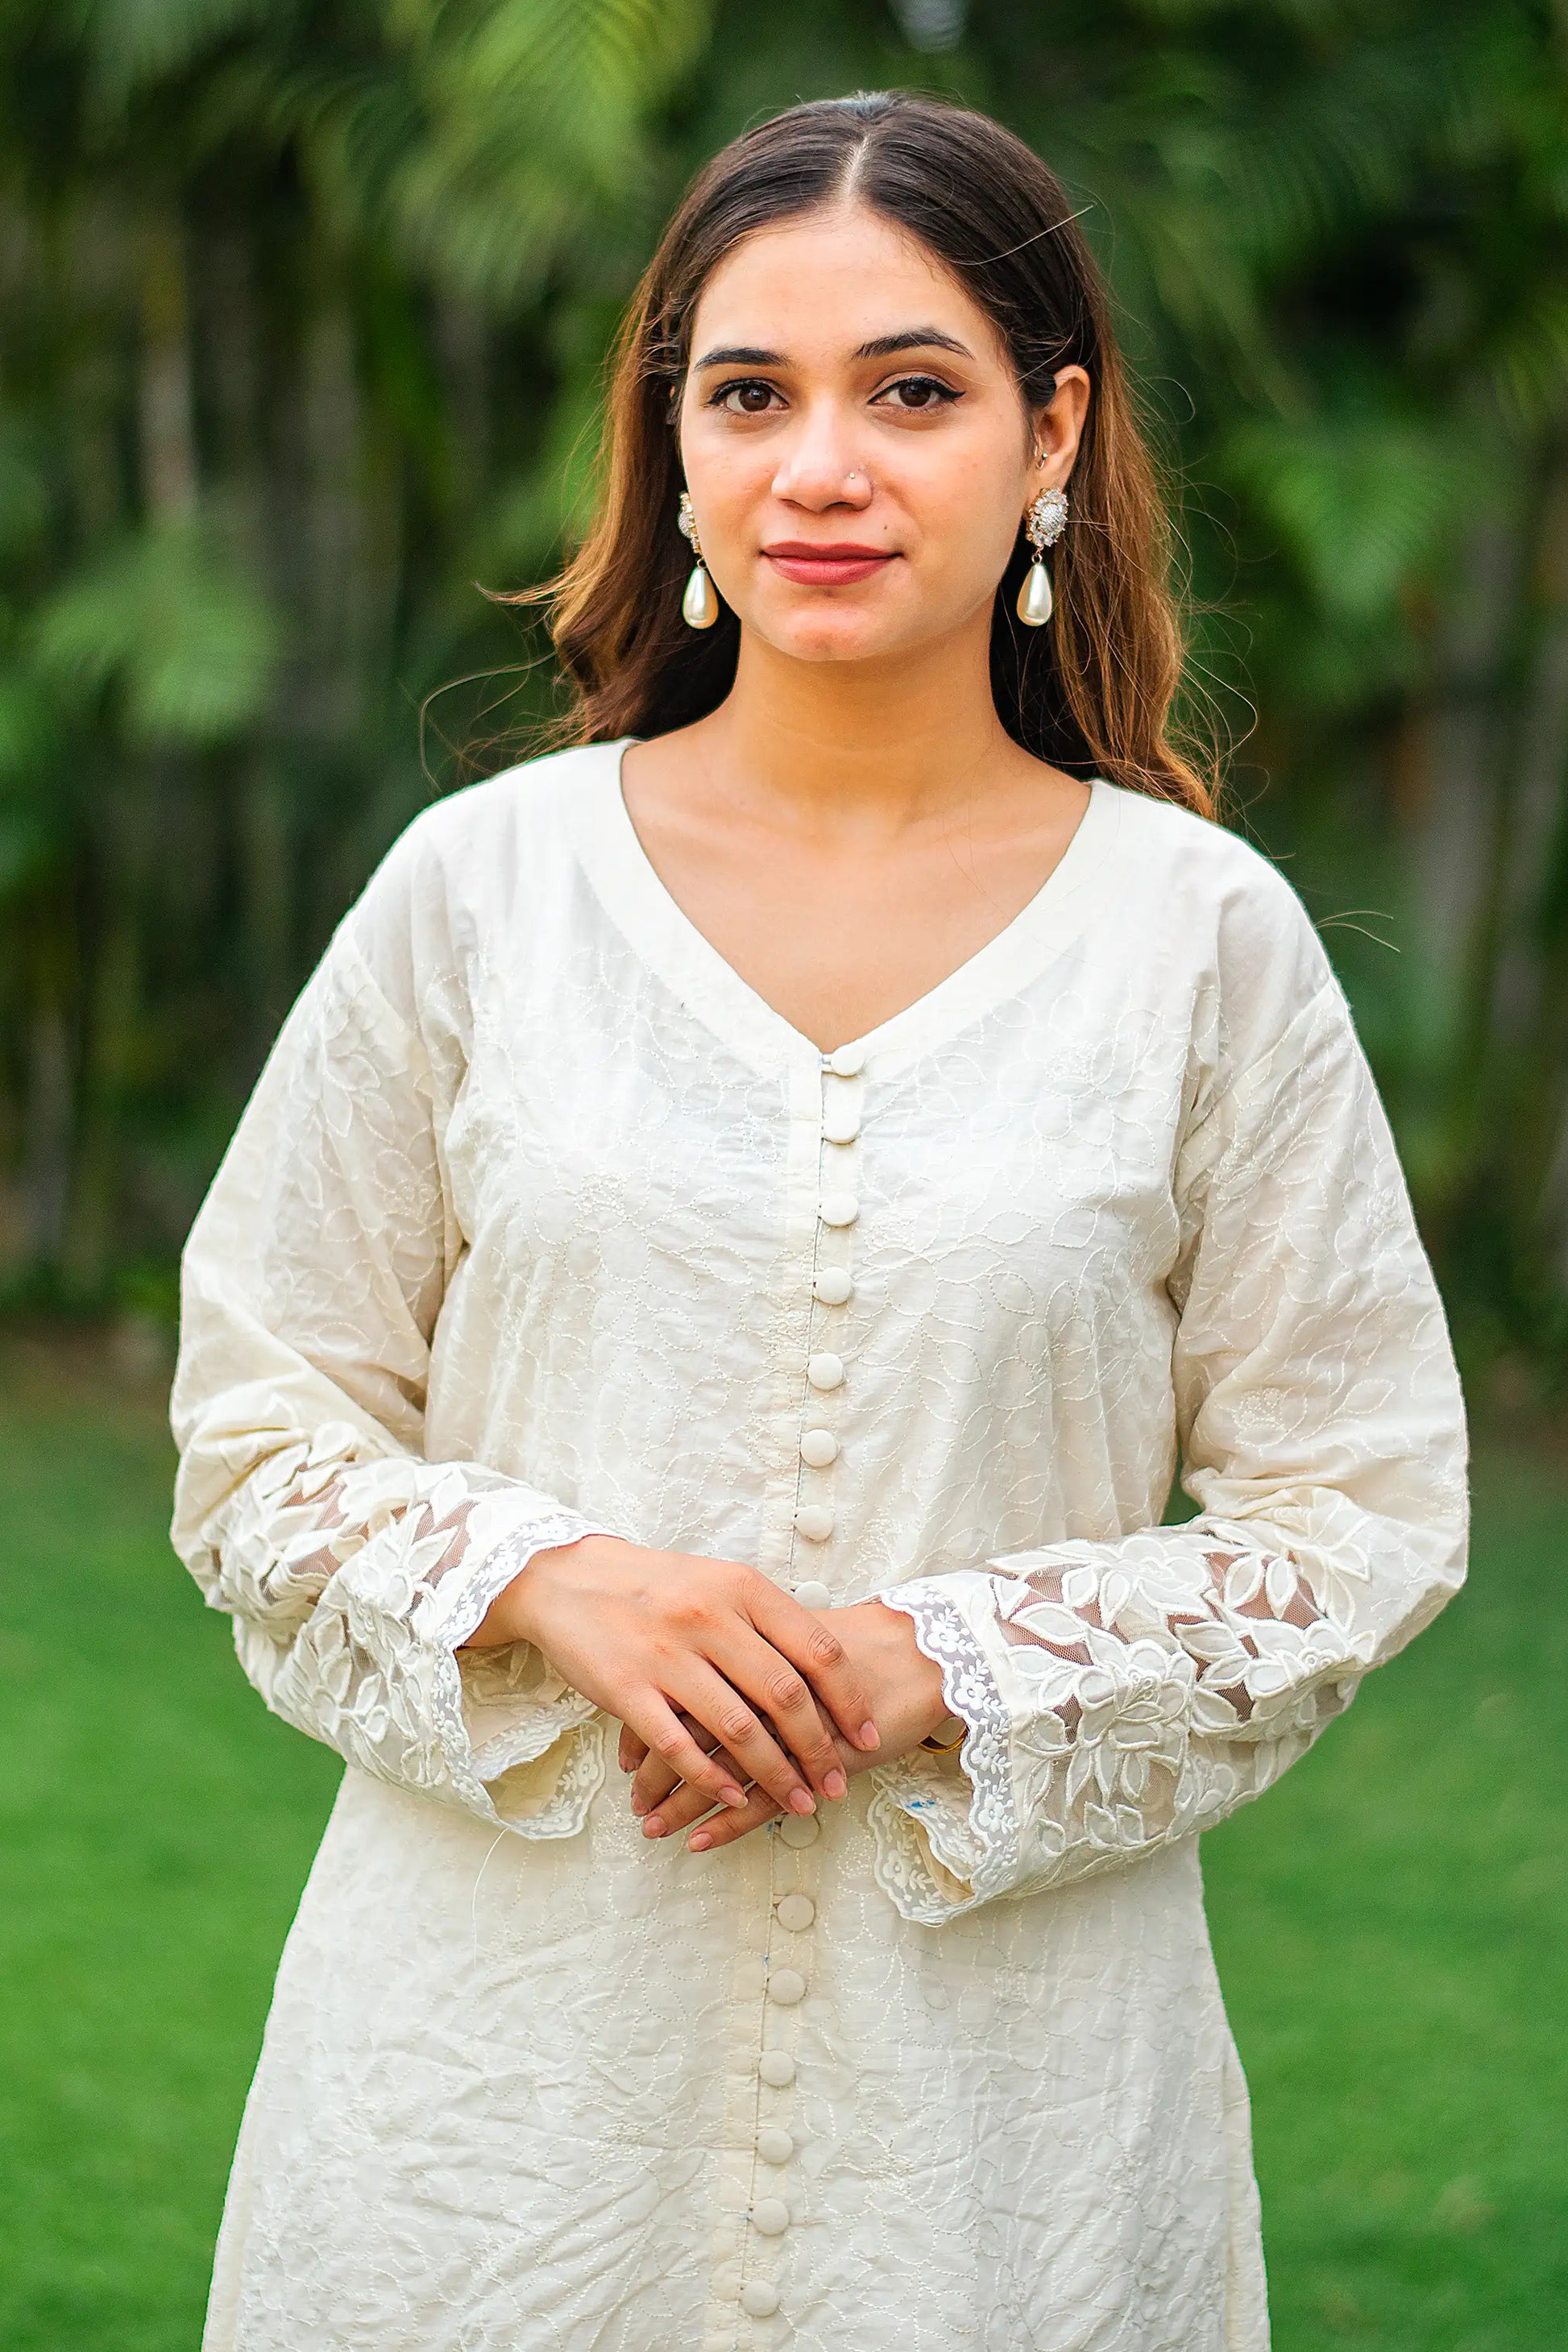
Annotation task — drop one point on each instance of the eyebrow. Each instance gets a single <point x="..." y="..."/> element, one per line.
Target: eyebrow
<point x="740" y="355"/>
<point x="913" y="339"/>
<point x="881" y="347"/>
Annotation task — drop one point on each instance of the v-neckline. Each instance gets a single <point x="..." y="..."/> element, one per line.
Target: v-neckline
<point x="632" y="891"/>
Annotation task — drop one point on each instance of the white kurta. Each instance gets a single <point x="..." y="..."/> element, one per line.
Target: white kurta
<point x="541" y="1219"/>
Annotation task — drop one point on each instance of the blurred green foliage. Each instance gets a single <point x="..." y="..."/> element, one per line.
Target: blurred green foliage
<point x="302" y="307"/>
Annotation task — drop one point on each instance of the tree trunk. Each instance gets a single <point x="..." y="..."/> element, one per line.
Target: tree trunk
<point x="166" y="403"/>
<point x="49" y="1102"/>
<point x="113" y="1006"/>
<point x="1447" y="765"/>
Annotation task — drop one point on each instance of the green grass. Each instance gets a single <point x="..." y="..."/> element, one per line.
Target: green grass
<point x="155" y="1827"/>
<point x="1392" y="1925"/>
<point x="1392" y="1930"/>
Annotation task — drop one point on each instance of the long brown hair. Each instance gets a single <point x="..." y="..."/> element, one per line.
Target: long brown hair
<point x="1093" y="692"/>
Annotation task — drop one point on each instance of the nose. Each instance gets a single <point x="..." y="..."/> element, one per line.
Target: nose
<point x="819" y="467"/>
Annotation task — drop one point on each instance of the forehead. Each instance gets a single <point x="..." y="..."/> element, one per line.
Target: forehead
<point x="827" y="282"/>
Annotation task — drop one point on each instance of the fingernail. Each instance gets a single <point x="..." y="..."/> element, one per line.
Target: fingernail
<point x="639" y="1806"/>
<point x="870" y="1735"/>
<point x="801" y="1800"/>
<point x="699" y="1842"/>
<point x="732" y="1795"/>
<point x="653" y="1826"/>
<point x="835" y="1783"/>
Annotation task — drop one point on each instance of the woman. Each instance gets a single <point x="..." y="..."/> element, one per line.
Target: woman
<point x="730" y="1245"/>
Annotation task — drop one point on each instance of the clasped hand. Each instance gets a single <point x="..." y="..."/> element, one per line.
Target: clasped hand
<point x="727" y="1690"/>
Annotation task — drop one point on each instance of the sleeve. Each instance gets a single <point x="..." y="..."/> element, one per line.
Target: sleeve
<point x="353" y="1569"/>
<point x="1121" y="1694"/>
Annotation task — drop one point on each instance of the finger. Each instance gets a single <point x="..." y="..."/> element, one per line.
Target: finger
<point x="631" y="1751"/>
<point x="737" y="1726"/>
<point x="655" y="1781"/>
<point x="654" y="1778"/>
<point x="681" y="1804"/>
<point x="806" y="1638"/>
<point x="787" y="1700"/>
<point x="654" y="1721"/>
<point x="723" y="1829"/>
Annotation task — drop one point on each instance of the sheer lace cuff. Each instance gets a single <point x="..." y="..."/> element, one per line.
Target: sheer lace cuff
<point x="355" y="1584"/>
<point x="535" y="1743"/>
<point x="1117" y="1695"/>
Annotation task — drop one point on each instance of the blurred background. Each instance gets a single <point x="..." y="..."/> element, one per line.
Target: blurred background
<point x="302" y="307"/>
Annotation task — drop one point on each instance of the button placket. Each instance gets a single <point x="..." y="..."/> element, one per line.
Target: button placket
<point x="790" y="1953"/>
<point x="833" y="1284"/>
<point x="820" y="1440"/>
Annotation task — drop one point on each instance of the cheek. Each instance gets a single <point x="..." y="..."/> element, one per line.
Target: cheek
<point x="727" y="474"/>
<point x="967" y="506"/>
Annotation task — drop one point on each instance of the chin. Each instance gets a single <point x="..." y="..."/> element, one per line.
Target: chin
<point x="832" y="646"/>
<point x="846" y="636"/>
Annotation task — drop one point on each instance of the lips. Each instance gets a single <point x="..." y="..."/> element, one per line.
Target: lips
<point x="835" y="566"/>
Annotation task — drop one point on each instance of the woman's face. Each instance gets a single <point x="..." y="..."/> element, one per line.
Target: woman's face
<point x="855" y="444"/>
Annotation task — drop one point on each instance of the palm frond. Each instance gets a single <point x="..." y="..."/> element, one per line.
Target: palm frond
<point x="535" y="114"/>
<point x="166" y="619"/>
<point x="131" y="44"/>
<point x="1359" y="505"/>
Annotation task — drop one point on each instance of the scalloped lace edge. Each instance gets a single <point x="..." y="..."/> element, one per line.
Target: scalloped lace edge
<point x="915" y="1822"/>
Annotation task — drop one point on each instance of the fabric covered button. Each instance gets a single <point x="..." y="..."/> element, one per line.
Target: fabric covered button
<point x="812" y="1595"/>
<point x="818" y="1447"/>
<point x="800" y="1829"/>
<point x="776" y="2067"/>
<point x="824" y="1370"/>
<point x="840" y="1122"/>
<point x="771" y="2216"/>
<point x="795" y="1912"/>
<point x="814" y="1521"/>
<point x="847" y="1061"/>
<point x="775" y="2145"/>
<point x="832" y="1285"/>
<point x="758" y="2299"/>
<point x="838" y="1208"/>
<point x="786" y="1985"/>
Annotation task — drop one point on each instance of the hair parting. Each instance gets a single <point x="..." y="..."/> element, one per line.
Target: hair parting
<point x="1095" y="693"/>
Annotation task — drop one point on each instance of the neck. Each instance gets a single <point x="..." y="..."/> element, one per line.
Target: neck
<point x="852" y="746"/>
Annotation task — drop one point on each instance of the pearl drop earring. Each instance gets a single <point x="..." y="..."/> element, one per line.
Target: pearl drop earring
<point x="699" y="605"/>
<point x="1045" y="520"/>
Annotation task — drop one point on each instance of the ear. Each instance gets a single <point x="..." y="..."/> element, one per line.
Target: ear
<point x="1057" y="427"/>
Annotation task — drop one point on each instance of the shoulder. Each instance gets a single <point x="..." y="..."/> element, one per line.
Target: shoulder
<point x="1206" y="864"/>
<point x="491" y="861"/>
<point x="1227" y="914"/>
<point x="529" y="808"/>
<point x="479" y="853"/>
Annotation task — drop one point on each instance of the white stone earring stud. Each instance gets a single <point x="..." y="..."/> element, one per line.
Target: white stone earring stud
<point x="1045" y="520"/>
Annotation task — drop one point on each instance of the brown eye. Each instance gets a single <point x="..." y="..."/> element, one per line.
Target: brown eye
<point x="919" y="393"/>
<point x="752" y="398"/>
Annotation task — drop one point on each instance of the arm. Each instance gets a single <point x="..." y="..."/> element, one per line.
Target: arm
<point x="1121" y="1694"/>
<point x="355" y="1569"/>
